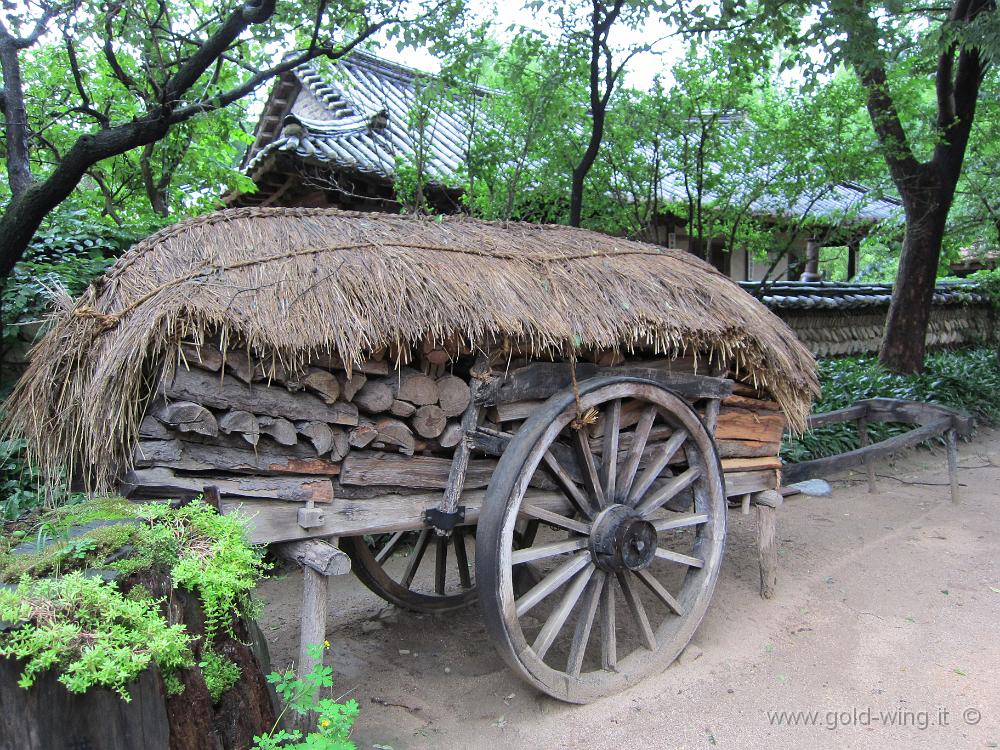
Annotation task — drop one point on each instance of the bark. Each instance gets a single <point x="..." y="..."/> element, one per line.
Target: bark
<point x="602" y="19"/>
<point x="904" y="340"/>
<point x="927" y="188"/>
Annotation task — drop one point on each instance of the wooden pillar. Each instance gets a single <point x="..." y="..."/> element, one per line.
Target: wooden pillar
<point x="767" y="504"/>
<point x="853" y="250"/>
<point x="812" y="261"/>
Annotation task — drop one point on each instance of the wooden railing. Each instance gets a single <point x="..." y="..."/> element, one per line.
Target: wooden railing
<point x="931" y="420"/>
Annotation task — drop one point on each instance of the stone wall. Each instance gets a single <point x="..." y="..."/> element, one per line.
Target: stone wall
<point x="837" y="333"/>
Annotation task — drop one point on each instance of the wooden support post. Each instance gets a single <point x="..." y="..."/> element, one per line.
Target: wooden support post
<point x="712" y="415"/>
<point x="745" y="509"/>
<point x="319" y="559"/>
<point x="868" y="461"/>
<point x="470" y="419"/>
<point x="767" y="503"/>
<point x="952" y="436"/>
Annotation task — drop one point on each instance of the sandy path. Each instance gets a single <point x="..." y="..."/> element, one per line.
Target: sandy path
<point x="888" y="609"/>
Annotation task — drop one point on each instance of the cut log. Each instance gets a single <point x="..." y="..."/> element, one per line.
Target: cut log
<point x="742" y="482"/>
<point x="373" y="366"/>
<point x="186" y="416"/>
<point x="429" y="421"/>
<point x="283" y="431"/>
<point x="163" y="482"/>
<point x="742" y="424"/>
<point x="748" y="464"/>
<point x="418" y="472"/>
<point x="746" y="449"/>
<point x="349" y="386"/>
<point x="753" y="404"/>
<point x="241" y="364"/>
<point x="413" y="386"/>
<point x="540" y="380"/>
<point x="341" y="444"/>
<point x="375" y="397"/>
<point x="315" y="554"/>
<point x="241" y="422"/>
<point x="394" y="432"/>
<point x="323" y="383"/>
<point x="185" y="456"/>
<point x="319" y="434"/>
<point x="228" y="393"/>
<point x="150" y="427"/>
<point x="362" y="435"/>
<point x="513" y="411"/>
<point x="402" y="408"/>
<point x="206" y="356"/>
<point x="453" y="395"/>
<point x="451" y="436"/>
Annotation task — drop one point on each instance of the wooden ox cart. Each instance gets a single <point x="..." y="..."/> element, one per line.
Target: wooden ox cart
<point x="545" y="419"/>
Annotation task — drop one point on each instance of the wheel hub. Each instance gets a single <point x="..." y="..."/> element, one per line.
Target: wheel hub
<point x="622" y="540"/>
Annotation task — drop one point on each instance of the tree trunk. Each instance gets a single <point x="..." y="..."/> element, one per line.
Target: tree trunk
<point x="904" y="341"/>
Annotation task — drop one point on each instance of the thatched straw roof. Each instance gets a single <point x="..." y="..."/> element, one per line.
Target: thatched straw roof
<point x="287" y="282"/>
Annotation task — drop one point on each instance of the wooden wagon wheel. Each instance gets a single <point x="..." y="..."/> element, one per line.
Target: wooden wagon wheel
<point x="627" y="569"/>
<point x="448" y="588"/>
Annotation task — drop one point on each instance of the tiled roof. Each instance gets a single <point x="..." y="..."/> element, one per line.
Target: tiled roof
<point x="340" y="131"/>
<point x="819" y="295"/>
<point x="331" y="124"/>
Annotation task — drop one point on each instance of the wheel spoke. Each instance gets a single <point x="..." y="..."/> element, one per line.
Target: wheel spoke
<point x="609" y="451"/>
<point x="415" y="557"/>
<point x="662" y="594"/>
<point x="440" y="564"/>
<point x="609" y="638"/>
<point x="551" y="582"/>
<point x="384" y="553"/>
<point x="583" y="504"/>
<point x="555" y="519"/>
<point x="559" y="615"/>
<point x="637" y="610"/>
<point x="590" y="477"/>
<point x="551" y="549"/>
<point x="585" y="623"/>
<point x="639" y="438"/>
<point x="655" y="468"/>
<point x="670" y="489"/>
<point x="679" y="521"/>
<point x="691" y="562"/>
<point x="461" y="557"/>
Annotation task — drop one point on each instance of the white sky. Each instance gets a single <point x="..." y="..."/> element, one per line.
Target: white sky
<point x="641" y="71"/>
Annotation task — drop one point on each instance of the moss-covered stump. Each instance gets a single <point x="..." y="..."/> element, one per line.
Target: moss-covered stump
<point x="47" y="716"/>
<point x="132" y="631"/>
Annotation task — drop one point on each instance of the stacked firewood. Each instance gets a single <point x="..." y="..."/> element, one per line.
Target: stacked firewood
<point x="253" y="429"/>
<point x="256" y="430"/>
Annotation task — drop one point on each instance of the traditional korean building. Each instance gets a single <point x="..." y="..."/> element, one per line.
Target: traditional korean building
<point x="338" y="140"/>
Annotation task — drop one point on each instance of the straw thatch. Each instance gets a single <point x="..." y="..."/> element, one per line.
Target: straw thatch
<point x="287" y="282"/>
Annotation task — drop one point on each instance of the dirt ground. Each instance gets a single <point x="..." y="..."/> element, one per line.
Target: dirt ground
<point x="885" y="631"/>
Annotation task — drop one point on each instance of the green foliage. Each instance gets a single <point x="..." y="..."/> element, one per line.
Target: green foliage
<point x="19" y="482"/>
<point x="334" y="721"/>
<point x="90" y="632"/>
<point x="963" y="379"/>
<point x="200" y="550"/>
<point x="988" y="283"/>
<point x="220" y="672"/>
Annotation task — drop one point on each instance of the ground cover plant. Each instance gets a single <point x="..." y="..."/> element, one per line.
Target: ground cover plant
<point x="964" y="379"/>
<point x="88" y="592"/>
